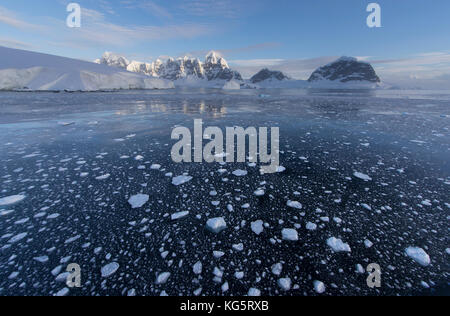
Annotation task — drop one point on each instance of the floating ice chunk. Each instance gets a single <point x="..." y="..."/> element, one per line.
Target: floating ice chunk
<point x="259" y="192"/>
<point x="139" y="158"/>
<point x="181" y="180"/>
<point x="72" y="239"/>
<point x="155" y="167"/>
<point x="295" y="204"/>
<point x="285" y="284"/>
<point x="239" y="275"/>
<point x="366" y="206"/>
<point x="17" y="238"/>
<point x="216" y="225"/>
<point x="41" y="259"/>
<point x="362" y="176"/>
<point x="280" y="169"/>
<point x="138" y="200"/>
<point x="447" y="251"/>
<point x="359" y="269"/>
<point x="254" y="292"/>
<point x="109" y="269"/>
<point x="319" y="287"/>
<point x="7" y="212"/>
<point x="238" y="247"/>
<point x="277" y="268"/>
<point x="8" y="200"/>
<point x="289" y="234"/>
<point x="311" y="226"/>
<point x="418" y="255"/>
<point x="368" y="243"/>
<point x="62" y="292"/>
<point x="197" y="268"/>
<point x="218" y="254"/>
<point x="179" y="215"/>
<point x="257" y="227"/>
<point x="162" y="278"/>
<point x="338" y="245"/>
<point x="103" y="177"/>
<point x="240" y="173"/>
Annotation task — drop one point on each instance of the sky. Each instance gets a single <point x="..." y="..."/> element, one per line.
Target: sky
<point x="411" y="48"/>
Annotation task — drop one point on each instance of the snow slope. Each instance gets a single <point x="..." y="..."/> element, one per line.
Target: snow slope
<point x="25" y="70"/>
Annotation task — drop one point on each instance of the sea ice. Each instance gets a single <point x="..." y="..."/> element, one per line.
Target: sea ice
<point x="179" y="215"/>
<point x="257" y="227"/>
<point x="138" y="200"/>
<point x="285" y="284"/>
<point x="181" y="180"/>
<point x="8" y="200"/>
<point x="338" y="245"/>
<point x="109" y="269"/>
<point x="216" y="225"/>
<point x="295" y="204"/>
<point x="162" y="278"/>
<point x="418" y="255"/>
<point x="319" y="287"/>
<point x="289" y="234"/>
<point x="240" y="173"/>
<point x="362" y="176"/>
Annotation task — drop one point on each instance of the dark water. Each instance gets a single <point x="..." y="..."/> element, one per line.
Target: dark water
<point x="54" y="146"/>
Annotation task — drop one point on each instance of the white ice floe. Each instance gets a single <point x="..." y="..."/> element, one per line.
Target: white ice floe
<point x="338" y="245"/>
<point x="62" y="292"/>
<point x="277" y="268"/>
<point x="257" y="227"/>
<point x="179" y="215"/>
<point x="259" y="192"/>
<point x="362" y="176"/>
<point x="238" y="247"/>
<point x="368" y="243"/>
<point x="197" y="268"/>
<point x="319" y="287"/>
<point x="109" y="269"/>
<point x="289" y="234"/>
<point x="163" y="277"/>
<point x="155" y="167"/>
<point x="311" y="226"/>
<point x="41" y="259"/>
<point x="103" y="177"/>
<point x="138" y="200"/>
<point x="254" y="292"/>
<point x="418" y="255"/>
<point x="216" y="225"/>
<point x="295" y="204"/>
<point x="285" y="284"/>
<point x="240" y="173"/>
<point x="17" y="238"/>
<point x="181" y="180"/>
<point x="8" y="200"/>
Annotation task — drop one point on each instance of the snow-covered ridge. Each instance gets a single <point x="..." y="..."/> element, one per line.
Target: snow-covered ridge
<point x="25" y="70"/>
<point x="185" y="70"/>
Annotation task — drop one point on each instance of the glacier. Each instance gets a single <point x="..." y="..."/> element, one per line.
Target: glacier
<point x="25" y="70"/>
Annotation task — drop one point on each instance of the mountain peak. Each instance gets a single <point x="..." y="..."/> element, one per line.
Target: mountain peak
<point x="346" y="69"/>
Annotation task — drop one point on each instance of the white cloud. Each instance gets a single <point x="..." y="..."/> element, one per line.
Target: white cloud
<point x="10" y="18"/>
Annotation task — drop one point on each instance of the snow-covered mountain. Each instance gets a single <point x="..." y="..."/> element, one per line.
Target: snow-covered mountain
<point x="345" y="70"/>
<point x="186" y="69"/>
<point x="25" y="70"/>
<point x="268" y="75"/>
<point x="113" y="60"/>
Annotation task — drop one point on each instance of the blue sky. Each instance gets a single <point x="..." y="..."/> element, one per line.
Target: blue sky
<point x="292" y="35"/>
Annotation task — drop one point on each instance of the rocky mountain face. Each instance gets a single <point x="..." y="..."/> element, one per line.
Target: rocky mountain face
<point x="267" y="74"/>
<point x="214" y="67"/>
<point x="346" y="69"/>
<point x="113" y="60"/>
